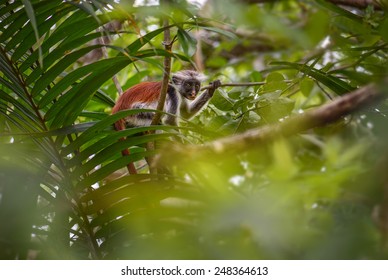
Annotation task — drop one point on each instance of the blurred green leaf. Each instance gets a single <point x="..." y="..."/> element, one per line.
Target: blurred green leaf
<point x="306" y="85"/>
<point x="274" y="81"/>
<point x="222" y="101"/>
<point x="332" y="82"/>
<point x="340" y="11"/>
<point x="317" y="26"/>
<point x="188" y="42"/>
<point x="272" y="109"/>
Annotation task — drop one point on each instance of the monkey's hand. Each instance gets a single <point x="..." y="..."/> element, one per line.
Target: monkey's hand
<point x="213" y="86"/>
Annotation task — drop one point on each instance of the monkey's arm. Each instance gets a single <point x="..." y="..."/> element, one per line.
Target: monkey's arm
<point x="189" y="110"/>
<point x="172" y="103"/>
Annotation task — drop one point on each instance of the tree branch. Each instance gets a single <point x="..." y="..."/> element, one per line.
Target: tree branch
<point x="321" y="116"/>
<point x="163" y="92"/>
<point x="166" y="74"/>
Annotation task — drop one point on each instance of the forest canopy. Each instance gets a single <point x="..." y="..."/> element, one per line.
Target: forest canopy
<point x="287" y="161"/>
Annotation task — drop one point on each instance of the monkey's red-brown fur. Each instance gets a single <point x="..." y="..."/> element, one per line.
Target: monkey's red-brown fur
<point x="145" y="92"/>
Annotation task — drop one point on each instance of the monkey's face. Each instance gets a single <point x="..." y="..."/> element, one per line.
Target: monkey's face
<point x="190" y="88"/>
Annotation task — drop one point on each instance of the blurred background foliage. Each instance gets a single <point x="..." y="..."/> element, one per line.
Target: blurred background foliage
<point x="64" y="192"/>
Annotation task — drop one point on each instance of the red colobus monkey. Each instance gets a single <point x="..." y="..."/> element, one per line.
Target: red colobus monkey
<point x="184" y="87"/>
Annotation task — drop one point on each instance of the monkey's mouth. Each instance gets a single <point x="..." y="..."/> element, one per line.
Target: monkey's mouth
<point x="191" y="97"/>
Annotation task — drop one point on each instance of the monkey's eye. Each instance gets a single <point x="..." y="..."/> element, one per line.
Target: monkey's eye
<point x="197" y="87"/>
<point x="187" y="86"/>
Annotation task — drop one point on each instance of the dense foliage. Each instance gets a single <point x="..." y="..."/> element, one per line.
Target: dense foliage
<point x="64" y="193"/>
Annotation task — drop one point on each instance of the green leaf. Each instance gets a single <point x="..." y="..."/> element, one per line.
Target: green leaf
<point x="383" y="28"/>
<point x="111" y="167"/>
<point x="338" y="10"/>
<point x="19" y="105"/>
<point x="105" y="141"/>
<point x="306" y="85"/>
<point x="283" y="166"/>
<point x="31" y="15"/>
<point x="114" y="64"/>
<point x="69" y="106"/>
<point x="136" y="45"/>
<point x="104" y="98"/>
<point x="188" y="42"/>
<point x="256" y="76"/>
<point x="16" y="22"/>
<point x="43" y="22"/>
<point x="55" y="71"/>
<point x="274" y="81"/>
<point x="335" y="84"/>
<point x="8" y="15"/>
<point x="141" y="55"/>
<point x="222" y="101"/>
<point x="107" y="152"/>
<point x="224" y="32"/>
<point x="274" y="77"/>
<point x="273" y="109"/>
<point x="352" y="27"/>
<point x="59" y="34"/>
<point x="105" y="124"/>
<point x="317" y="26"/>
<point x="56" y="54"/>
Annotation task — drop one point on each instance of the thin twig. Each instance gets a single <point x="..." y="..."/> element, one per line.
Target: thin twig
<point x="243" y="84"/>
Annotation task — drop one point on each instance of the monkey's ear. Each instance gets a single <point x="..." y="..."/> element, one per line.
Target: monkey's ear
<point x="201" y="77"/>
